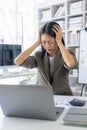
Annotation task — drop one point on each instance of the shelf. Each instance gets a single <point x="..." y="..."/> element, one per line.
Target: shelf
<point x="73" y="46"/>
<point x="72" y="17"/>
<point x="73" y="75"/>
<point x="75" y="6"/>
<point x="59" y="18"/>
<point x="44" y="14"/>
<point x="58" y="10"/>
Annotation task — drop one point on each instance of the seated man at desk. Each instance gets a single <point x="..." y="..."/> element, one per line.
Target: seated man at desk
<point x="53" y="61"/>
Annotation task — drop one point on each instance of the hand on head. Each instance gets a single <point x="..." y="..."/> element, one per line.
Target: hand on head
<point x="39" y="35"/>
<point x="58" y="31"/>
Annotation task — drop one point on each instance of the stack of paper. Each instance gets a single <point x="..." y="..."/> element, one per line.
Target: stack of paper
<point x="45" y="15"/>
<point x="76" y="7"/>
<point x="75" y="23"/>
<point x="76" y="115"/>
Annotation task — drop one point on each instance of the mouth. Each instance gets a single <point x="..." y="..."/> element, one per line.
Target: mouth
<point x="49" y="50"/>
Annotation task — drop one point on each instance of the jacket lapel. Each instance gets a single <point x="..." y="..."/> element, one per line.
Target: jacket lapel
<point x="44" y="65"/>
<point x="47" y="66"/>
<point x="56" y="61"/>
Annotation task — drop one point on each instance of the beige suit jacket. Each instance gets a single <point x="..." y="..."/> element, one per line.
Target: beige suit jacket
<point x="59" y="80"/>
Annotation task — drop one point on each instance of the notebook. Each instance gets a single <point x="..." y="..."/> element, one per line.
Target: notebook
<point x="29" y="101"/>
<point x="76" y="115"/>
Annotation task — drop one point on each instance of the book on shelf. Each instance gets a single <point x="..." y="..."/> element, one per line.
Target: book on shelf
<point x="57" y="12"/>
<point x="70" y="39"/>
<point x="73" y="74"/>
<point x="76" y="20"/>
<point x="76" y="7"/>
<point x="86" y="18"/>
<point x="73" y="39"/>
<point x="86" y="5"/>
<point x="45" y="15"/>
<point x="76" y="11"/>
<point x="60" y="11"/>
<point x="76" y="4"/>
<point x="77" y="54"/>
<point x="86" y="24"/>
<point x="75" y="26"/>
<point x="75" y="71"/>
<point x="62" y="24"/>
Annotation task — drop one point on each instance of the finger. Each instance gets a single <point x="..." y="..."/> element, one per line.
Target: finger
<point x="57" y="27"/>
<point x="54" y="30"/>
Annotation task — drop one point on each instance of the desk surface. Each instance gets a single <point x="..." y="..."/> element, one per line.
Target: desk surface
<point x="11" y="123"/>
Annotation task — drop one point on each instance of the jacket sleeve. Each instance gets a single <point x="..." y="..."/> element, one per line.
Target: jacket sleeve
<point x="74" y="56"/>
<point x="30" y="62"/>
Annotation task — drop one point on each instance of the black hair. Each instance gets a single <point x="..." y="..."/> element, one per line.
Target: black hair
<point x="47" y="29"/>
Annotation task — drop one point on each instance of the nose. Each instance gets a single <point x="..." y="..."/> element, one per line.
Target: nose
<point x="47" y="44"/>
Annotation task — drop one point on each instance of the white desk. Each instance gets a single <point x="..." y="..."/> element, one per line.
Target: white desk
<point x="10" y="123"/>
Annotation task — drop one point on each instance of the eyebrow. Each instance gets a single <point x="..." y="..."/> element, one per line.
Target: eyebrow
<point x="49" y="40"/>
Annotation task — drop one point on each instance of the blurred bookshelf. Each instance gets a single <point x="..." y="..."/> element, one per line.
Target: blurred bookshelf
<point x="72" y="17"/>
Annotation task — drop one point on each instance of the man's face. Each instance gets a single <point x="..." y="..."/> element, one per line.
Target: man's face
<point x="49" y="44"/>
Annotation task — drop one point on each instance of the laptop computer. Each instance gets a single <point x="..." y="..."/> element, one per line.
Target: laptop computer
<point x="29" y="101"/>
